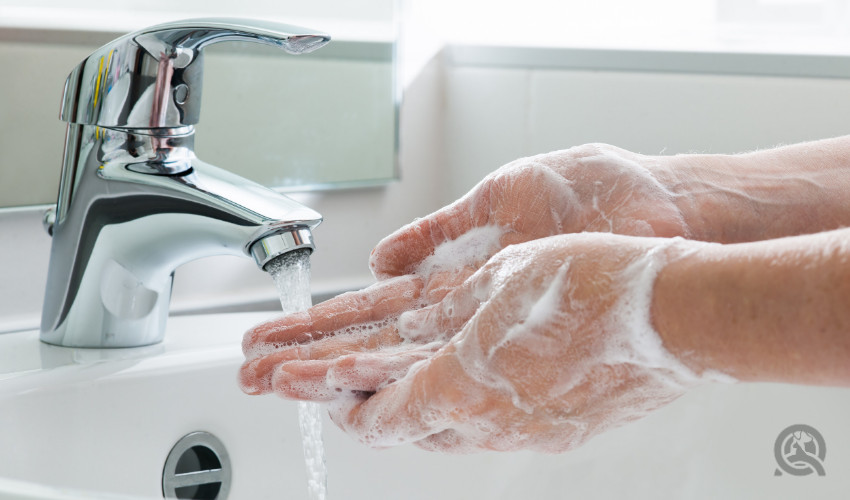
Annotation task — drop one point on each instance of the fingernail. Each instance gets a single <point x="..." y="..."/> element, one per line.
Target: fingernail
<point x="249" y="382"/>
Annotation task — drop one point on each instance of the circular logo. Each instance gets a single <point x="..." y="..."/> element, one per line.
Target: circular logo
<point x="800" y="451"/>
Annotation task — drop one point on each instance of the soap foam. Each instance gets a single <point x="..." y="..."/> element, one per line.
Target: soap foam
<point x="373" y="371"/>
<point x="471" y="249"/>
<point x="639" y="344"/>
<point x="380" y="428"/>
<point x="622" y="375"/>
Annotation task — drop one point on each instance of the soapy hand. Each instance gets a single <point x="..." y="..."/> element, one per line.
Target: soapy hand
<point x="430" y="272"/>
<point x="546" y="345"/>
<point x="468" y="343"/>
<point x="587" y="188"/>
<point x="595" y="187"/>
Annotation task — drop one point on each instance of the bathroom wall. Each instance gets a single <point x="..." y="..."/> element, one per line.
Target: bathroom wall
<point x="502" y="105"/>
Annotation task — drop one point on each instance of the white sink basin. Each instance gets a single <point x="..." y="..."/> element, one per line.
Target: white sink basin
<point x="102" y="422"/>
<point x="105" y="420"/>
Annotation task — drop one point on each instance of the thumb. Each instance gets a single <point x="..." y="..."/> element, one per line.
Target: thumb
<point x="401" y="252"/>
<point x="443" y="320"/>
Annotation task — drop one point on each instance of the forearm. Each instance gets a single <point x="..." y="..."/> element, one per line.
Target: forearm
<point x="798" y="189"/>
<point x="776" y="310"/>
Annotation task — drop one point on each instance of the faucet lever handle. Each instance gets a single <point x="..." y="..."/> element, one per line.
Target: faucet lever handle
<point x="152" y="78"/>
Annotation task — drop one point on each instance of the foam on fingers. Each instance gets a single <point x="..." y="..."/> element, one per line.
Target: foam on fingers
<point x="382" y="300"/>
<point x="403" y="412"/>
<point x="293" y="328"/>
<point x="255" y="374"/>
<point x="372" y="371"/>
<point x="303" y="380"/>
<point x="402" y="251"/>
<point x="561" y="346"/>
<point x="443" y="320"/>
<point x="353" y="314"/>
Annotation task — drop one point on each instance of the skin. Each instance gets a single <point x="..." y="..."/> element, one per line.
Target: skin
<point x="770" y="311"/>
<point x="787" y="191"/>
<point x="767" y="304"/>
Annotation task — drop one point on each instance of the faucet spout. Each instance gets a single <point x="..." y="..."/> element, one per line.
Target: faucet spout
<point x="133" y="206"/>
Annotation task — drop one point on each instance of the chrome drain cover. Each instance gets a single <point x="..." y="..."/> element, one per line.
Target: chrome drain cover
<point x="197" y="467"/>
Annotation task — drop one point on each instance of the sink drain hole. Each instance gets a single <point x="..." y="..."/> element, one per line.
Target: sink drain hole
<point x="203" y="492"/>
<point x="197" y="458"/>
<point x="198" y="467"/>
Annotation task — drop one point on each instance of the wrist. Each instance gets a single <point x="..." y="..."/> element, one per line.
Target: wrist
<point x="675" y="309"/>
<point x="712" y="199"/>
<point x="678" y="307"/>
<point x="788" y="191"/>
<point x="769" y="311"/>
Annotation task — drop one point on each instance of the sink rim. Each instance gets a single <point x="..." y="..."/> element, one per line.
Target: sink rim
<point x="22" y="354"/>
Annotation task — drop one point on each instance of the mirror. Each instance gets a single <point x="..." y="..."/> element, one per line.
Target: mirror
<point x="322" y="120"/>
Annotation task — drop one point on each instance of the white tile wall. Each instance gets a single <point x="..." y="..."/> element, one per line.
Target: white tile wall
<point x="681" y="113"/>
<point x="32" y="135"/>
<point x="486" y="123"/>
<point x="496" y="115"/>
<point x="24" y="253"/>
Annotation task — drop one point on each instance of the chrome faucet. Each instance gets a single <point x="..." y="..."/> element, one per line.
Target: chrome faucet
<point x="135" y="203"/>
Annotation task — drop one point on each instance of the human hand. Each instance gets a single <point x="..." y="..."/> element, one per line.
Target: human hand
<point x="595" y="187"/>
<point x="548" y="344"/>
<point x="587" y="188"/>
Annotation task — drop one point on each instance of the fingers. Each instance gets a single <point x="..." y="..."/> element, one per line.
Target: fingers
<point x="255" y="376"/>
<point x="439" y="284"/>
<point x="448" y="441"/>
<point x="325" y="380"/>
<point x="409" y="410"/>
<point x="526" y="200"/>
<point x="303" y="380"/>
<point x="372" y="305"/>
<point x="372" y="371"/>
<point x="444" y="319"/>
<point x="387" y="418"/>
<point x="400" y="253"/>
